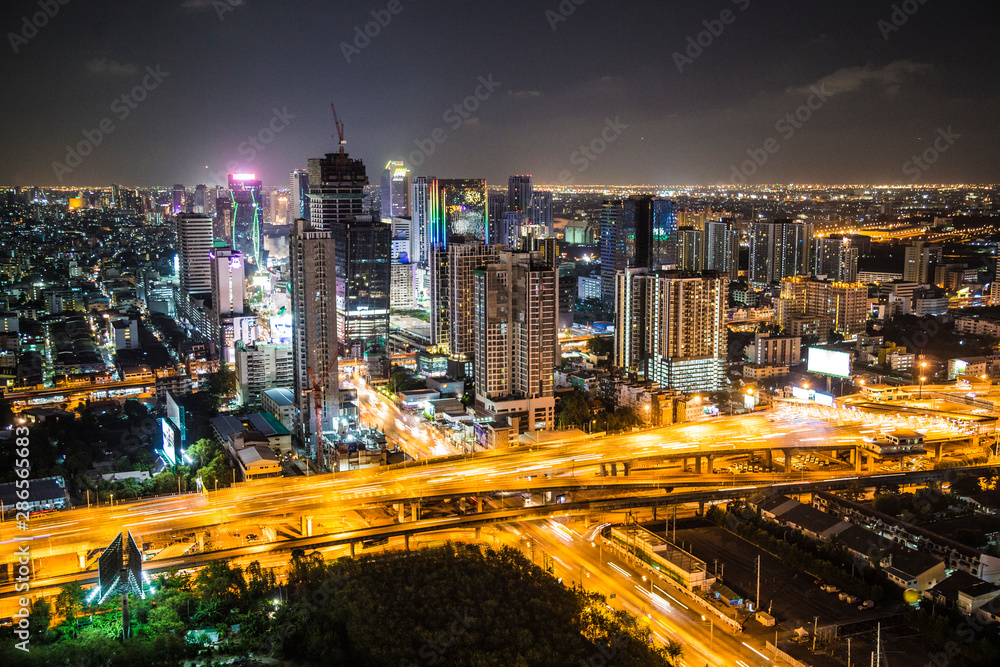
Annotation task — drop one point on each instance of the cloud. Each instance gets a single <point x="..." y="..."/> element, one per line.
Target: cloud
<point x="201" y="5"/>
<point x="109" y="66"/>
<point x="524" y="94"/>
<point x="890" y="77"/>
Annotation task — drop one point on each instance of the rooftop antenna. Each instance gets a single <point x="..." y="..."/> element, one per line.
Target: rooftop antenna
<point x="340" y="128"/>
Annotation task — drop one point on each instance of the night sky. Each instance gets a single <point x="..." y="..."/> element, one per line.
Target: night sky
<point x="234" y="68"/>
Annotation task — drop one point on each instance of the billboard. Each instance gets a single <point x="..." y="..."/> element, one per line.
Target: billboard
<point x="109" y="569"/>
<point x="829" y="362"/>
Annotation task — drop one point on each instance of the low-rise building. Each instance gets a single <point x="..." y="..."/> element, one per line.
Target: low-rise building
<point x="912" y="569"/>
<point x="280" y="402"/>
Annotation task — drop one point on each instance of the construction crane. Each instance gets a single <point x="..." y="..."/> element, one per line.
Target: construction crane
<point x="340" y="128"/>
<point x="316" y="389"/>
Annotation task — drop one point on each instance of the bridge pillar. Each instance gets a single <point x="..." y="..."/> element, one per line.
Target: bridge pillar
<point x="768" y="458"/>
<point x="654" y="514"/>
<point x="938" y="447"/>
<point x="479" y="504"/>
<point x="684" y="464"/>
<point x="614" y="469"/>
<point x="604" y="470"/>
<point x="401" y="510"/>
<point x="307" y="526"/>
<point x="710" y="460"/>
<point x="352" y="549"/>
<point x="701" y="508"/>
<point x="852" y="456"/>
<point x="697" y="465"/>
<point x="788" y="460"/>
<point x="415" y="513"/>
<point x="626" y="466"/>
<point x="406" y="541"/>
<point x="83" y="559"/>
<point x="479" y="532"/>
<point x="201" y="541"/>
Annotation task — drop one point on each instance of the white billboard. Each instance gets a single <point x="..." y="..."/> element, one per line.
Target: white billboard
<point x="829" y="362"/>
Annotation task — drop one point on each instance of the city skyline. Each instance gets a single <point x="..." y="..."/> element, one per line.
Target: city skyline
<point x="690" y="106"/>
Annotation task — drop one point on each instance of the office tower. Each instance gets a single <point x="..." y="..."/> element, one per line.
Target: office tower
<point x="395" y="190"/>
<point x="920" y="260"/>
<point x="401" y="292"/>
<point x="194" y="238"/>
<point x="336" y="189"/>
<point x="541" y="210"/>
<point x="404" y="243"/>
<point x="496" y="208"/>
<point x="364" y="283"/>
<point x="420" y="214"/>
<point x="200" y="200"/>
<point x="314" y="327"/>
<point x="720" y="248"/>
<point x="655" y="232"/>
<point x="815" y="307"/>
<point x="440" y="293"/>
<point x="463" y="260"/>
<point x="298" y="196"/>
<point x="836" y="258"/>
<point x="995" y="288"/>
<point x="245" y="215"/>
<point x="177" y="201"/>
<point x="259" y="367"/>
<point x="519" y="194"/>
<point x="515" y="339"/>
<point x="458" y="208"/>
<point x="689" y="250"/>
<point x="671" y="328"/>
<point x="617" y="244"/>
<point x="779" y="249"/>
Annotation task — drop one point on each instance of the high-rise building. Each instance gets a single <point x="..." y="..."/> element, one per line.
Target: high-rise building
<point x="298" y="196"/>
<point x="671" y="328"/>
<point x="401" y="292"/>
<point x="779" y="249"/>
<point x="515" y="339"/>
<point x="637" y="232"/>
<point x="496" y="208"/>
<point x="227" y="280"/>
<point x="919" y="262"/>
<point x="836" y="258"/>
<point x="177" y="201"/>
<point x="336" y="189"/>
<point x="420" y="214"/>
<point x="838" y="306"/>
<point x="519" y="194"/>
<point x="200" y="200"/>
<point x="463" y="260"/>
<point x="689" y="249"/>
<point x="262" y="366"/>
<point x="395" y="190"/>
<point x="720" y="242"/>
<point x="541" y="210"/>
<point x="314" y="328"/>
<point x="194" y="238"/>
<point x="458" y="208"/>
<point x="246" y="212"/>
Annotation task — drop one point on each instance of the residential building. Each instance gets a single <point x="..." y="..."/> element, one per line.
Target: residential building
<point x="261" y="366"/>
<point x="395" y="188"/>
<point x="194" y="239"/>
<point x="771" y="350"/>
<point x="919" y="262"/>
<point x="280" y="402"/>
<point x="835" y="259"/>
<point x="844" y="305"/>
<point x="779" y="249"/>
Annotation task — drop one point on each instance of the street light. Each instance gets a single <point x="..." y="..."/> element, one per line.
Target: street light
<point x="922" y="380"/>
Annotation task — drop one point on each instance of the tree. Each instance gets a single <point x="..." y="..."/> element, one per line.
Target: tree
<point x="575" y="411"/>
<point x="69" y="602"/>
<point x="223" y="381"/>
<point x="600" y="347"/>
<point x="675" y="650"/>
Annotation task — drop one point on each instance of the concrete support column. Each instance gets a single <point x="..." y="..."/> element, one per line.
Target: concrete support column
<point x="788" y="461"/>
<point x="858" y="460"/>
<point x="479" y="505"/>
<point x="401" y="510"/>
<point x="937" y="451"/>
<point x="654" y="513"/>
<point x="614" y="469"/>
<point x="479" y="532"/>
<point x="697" y="465"/>
<point x="852" y="456"/>
<point x="83" y="559"/>
<point x="415" y="515"/>
<point x="352" y="549"/>
<point x="604" y="470"/>
<point x="406" y="541"/>
<point x="701" y="508"/>
<point x="307" y="526"/>
<point x="768" y="458"/>
<point x="625" y="468"/>
<point x="586" y="521"/>
<point x="710" y="460"/>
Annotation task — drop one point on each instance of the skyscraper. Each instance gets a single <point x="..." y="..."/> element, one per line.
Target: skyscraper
<point x="779" y="249"/>
<point x="194" y="238"/>
<point x="458" y="207"/>
<point x="314" y="328"/>
<point x="720" y="244"/>
<point x="541" y="210"/>
<point x="200" y="200"/>
<point x="690" y="255"/>
<point x="420" y="214"/>
<point x="515" y="311"/>
<point x="298" y="196"/>
<point x="228" y="287"/>
<point x="246" y="207"/>
<point x="177" y="201"/>
<point x="395" y="190"/>
<point x="838" y="306"/>
<point x="463" y="260"/>
<point x="671" y="328"/>
<point x="836" y="258"/>
<point x="496" y="208"/>
<point x="920" y="260"/>
<point x="640" y="231"/>
<point x="617" y="244"/>
<point x="519" y="191"/>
